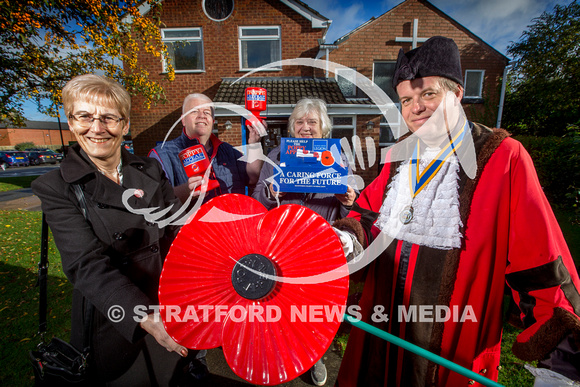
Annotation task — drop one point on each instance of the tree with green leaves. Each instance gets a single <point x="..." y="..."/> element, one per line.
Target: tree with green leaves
<point x="43" y="44"/>
<point x="543" y="88"/>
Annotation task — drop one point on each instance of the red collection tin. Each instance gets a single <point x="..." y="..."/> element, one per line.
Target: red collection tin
<point x="195" y="162"/>
<point x="256" y="98"/>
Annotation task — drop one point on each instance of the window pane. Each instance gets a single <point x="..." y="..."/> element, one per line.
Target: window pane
<point x="218" y="9"/>
<point x="386" y="135"/>
<point x="473" y="83"/>
<point x="259" y="53"/>
<point x="346" y="79"/>
<point x="186" y="55"/>
<point x="336" y="121"/>
<point x="175" y="34"/>
<point x="340" y="133"/>
<point x="383" y="78"/>
<point x="259" y="31"/>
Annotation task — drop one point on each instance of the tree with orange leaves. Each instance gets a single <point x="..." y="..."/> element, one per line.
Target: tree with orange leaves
<point x="43" y="44"/>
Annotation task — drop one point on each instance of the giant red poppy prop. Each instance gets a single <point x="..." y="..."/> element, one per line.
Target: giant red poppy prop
<point x="271" y="330"/>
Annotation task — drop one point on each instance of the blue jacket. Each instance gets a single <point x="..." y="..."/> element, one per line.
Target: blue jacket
<point x="229" y="171"/>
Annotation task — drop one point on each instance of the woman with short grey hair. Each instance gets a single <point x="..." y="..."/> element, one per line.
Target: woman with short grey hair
<point x="307" y="107"/>
<point x="309" y="119"/>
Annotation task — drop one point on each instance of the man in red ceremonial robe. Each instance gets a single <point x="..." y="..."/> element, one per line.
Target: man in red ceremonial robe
<point x="458" y="233"/>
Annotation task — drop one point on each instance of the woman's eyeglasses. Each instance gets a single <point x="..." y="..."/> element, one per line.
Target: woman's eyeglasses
<point x="86" y="120"/>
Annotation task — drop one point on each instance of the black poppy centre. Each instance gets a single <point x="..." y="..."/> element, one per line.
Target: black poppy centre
<point x="251" y="284"/>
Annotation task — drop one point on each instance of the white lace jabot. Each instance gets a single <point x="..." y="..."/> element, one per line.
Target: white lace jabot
<point x="436" y="221"/>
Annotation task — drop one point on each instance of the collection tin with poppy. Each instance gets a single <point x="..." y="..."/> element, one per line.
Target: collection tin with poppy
<point x="196" y="162"/>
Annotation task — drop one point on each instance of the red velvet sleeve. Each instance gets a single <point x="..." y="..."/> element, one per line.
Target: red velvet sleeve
<point x="540" y="271"/>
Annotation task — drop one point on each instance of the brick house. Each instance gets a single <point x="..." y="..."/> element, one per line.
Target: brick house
<point x="225" y="44"/>
<point x="44" y="134"/>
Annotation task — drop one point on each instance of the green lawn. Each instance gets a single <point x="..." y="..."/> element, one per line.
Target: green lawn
<point x="20" y="252"/>
<point x="512" y="372"/>
<point x="12" y="183"/>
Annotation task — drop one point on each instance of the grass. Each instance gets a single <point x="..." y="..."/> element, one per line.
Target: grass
<point x="512" y="372"/>
<point x="340" y="341"/>
<point x="12" y="183"/>
<point x="20" y="253"/>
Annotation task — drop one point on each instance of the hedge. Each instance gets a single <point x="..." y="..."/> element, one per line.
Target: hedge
<point x="557" y="161"/>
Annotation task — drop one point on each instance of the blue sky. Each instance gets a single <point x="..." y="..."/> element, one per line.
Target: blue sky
<point x="497" y="22"/>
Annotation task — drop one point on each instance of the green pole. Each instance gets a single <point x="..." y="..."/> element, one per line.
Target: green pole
<point x="421" y="352"/>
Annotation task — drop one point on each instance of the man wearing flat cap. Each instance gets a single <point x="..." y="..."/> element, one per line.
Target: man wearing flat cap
<point x="463" y="214"/>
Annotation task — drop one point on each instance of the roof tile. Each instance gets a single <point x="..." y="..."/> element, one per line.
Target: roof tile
<point x="282" y="90"/>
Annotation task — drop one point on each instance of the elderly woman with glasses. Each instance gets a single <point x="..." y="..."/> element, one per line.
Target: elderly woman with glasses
<point x="112" y="256"/>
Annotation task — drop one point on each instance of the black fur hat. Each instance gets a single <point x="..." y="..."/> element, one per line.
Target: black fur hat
<point x="438" y="56"/>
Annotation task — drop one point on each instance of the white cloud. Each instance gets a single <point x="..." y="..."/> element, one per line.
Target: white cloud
<point x="31" y="113"/>
<point x="498" y="22"/>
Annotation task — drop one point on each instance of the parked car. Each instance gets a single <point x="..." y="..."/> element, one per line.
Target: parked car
<point x="14" y="158"/>
<point x="22" y="158"/>
<point x="43" y="157"/>
<point x="6" y="160"/>
<point x="58" y="156"/>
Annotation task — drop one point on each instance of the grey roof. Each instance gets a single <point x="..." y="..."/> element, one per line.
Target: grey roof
<point x="50" y="125"/>
<point x="312" y="10"/>
<point x="282" y="90"/>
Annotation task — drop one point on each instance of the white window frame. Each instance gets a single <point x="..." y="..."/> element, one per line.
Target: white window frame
<point x="467" y="72"/>
<point x="350" y="75"/>
<point x="188" y="39"/>
<point x="265" y="38"/>
<point x="352" y="126"/>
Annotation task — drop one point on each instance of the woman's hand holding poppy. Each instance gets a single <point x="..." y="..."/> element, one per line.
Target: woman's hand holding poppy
<point x="153" y="325"/>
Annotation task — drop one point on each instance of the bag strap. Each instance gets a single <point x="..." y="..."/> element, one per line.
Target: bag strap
<point x="80" y="194"/>
<point x="43" y="277"/>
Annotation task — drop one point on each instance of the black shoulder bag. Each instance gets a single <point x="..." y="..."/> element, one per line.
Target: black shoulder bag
<point x="58" y="363"/>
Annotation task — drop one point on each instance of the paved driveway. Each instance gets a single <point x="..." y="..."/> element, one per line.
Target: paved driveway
<point x="22" y="199"/>
<point x="36" y="170"/>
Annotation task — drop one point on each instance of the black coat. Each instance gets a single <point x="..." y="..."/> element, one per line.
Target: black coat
<point x="116" y="259"/>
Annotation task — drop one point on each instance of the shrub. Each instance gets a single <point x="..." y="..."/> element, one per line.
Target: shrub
<point x="557" y="161"/>
<point x="24" y="145"/>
